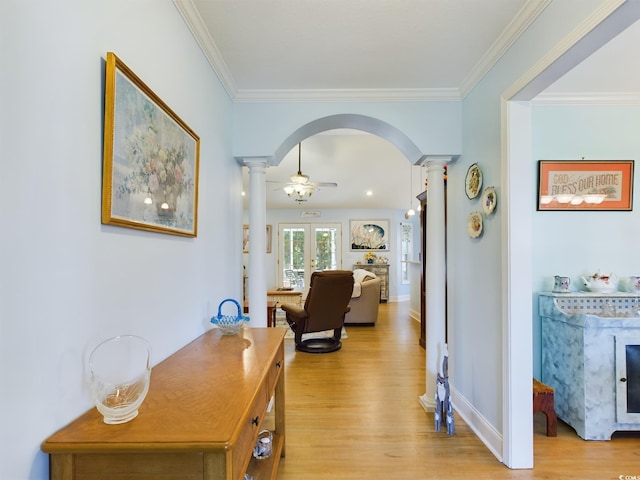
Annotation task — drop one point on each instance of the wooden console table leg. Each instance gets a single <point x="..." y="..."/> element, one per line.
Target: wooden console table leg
<point x="271" y="313"/>
<point x="61" y="466"/>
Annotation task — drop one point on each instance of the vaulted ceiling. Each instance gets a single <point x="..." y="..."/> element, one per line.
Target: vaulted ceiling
<point x="374" y="50"/>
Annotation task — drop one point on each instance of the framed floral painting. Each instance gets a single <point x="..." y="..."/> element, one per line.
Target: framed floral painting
<point x="151" y="158"/>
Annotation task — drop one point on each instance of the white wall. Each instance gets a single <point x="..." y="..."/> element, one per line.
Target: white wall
<point x="580" y="243"/>
<point x="478" y="302"/>
<point x="67" y="281"/>
<point x="434" y="127"/>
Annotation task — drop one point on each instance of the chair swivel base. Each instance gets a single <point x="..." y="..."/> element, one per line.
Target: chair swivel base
<point x="319" y="345"/>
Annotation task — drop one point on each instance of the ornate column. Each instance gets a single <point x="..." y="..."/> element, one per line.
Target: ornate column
<point x="257" y="241"/>
<point x="436" y="276"/>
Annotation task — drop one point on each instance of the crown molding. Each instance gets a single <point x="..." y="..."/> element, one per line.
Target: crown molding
<point x="525" y="17"/>
<point x="588" y="98"/>
<point x="350" y="95"/>
<point x="192" y="18"/>
<point x="199" y="31"/>
<point x="561" y="58"/>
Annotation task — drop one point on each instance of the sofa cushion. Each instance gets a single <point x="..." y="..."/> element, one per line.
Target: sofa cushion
<point x="360" y="275"/>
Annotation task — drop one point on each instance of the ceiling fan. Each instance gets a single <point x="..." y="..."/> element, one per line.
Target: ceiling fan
<point x="299" y="186"/>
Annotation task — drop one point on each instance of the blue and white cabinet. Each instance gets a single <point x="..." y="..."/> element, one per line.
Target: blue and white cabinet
<point x="591" y="357"/>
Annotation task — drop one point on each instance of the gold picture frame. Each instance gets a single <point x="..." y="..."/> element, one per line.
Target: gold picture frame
<point x="151" y="159"/>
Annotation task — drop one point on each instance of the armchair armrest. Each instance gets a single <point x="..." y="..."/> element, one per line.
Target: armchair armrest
<point x="294" y="310"/>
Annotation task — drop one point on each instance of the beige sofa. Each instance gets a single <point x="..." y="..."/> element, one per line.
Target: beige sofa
<point x="364" y="307"/>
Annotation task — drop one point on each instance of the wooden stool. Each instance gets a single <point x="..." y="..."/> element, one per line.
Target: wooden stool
<point x="543" y="402"/>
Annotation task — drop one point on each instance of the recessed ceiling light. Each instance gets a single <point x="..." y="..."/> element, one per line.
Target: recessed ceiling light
<point x="369" y="193"/>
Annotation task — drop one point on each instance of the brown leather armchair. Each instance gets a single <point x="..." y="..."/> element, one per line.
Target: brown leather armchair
<point x="324" y="309"/>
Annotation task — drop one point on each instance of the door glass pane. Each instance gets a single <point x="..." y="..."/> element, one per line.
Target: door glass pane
<point x="326" y="242"/>
<point x="407" y="249"/>
<point x="293" y="254"/>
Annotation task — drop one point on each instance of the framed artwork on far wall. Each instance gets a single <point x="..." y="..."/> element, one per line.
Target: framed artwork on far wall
<point x="585" y="185"/>
<point x="369" y="235"/>
<point x="245" y="238"/>
<point x="150" y="162"/>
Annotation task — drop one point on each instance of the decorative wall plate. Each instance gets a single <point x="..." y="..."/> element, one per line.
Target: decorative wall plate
<point x="474" y="224"/>
<point x="489" y="200"/>
<point x="473" y="181"/>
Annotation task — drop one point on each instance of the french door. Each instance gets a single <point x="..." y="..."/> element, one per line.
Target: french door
<point x="304" y="248"/>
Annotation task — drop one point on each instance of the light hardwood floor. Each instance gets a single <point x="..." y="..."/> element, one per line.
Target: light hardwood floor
<point x="354" y="414"/>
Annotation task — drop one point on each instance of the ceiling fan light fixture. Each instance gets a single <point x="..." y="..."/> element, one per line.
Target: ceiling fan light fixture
<point x="299" y="178"/>
<point x="299" y="187"/>
<point x="298" y="191"/>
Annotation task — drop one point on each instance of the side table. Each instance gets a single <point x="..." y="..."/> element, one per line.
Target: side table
<point x="271" y="312"/>
<point x="285" y="296"/>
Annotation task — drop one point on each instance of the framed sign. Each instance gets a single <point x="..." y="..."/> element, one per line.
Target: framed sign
<point x="585" y="184"/>
<point x="150" y="162"/>
<point x="369" y="235"/>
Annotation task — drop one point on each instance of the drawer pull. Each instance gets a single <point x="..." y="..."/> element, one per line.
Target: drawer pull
<point x="278" y="364"/>
<point x="255" y="421"/>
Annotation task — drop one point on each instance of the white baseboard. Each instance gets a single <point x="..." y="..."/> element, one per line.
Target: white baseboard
<point x="413" y="315"/>
<point x="480" y="426"/>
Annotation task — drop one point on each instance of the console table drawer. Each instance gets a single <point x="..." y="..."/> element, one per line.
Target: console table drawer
<point x="243" y="448"/>
<point x="159" y="466"/>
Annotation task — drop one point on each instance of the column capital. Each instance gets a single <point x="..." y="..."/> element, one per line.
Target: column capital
<point x="253" y="161"/>
<point x="438" y="160"/>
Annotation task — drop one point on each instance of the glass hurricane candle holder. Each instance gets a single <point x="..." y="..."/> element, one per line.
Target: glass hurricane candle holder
<point x="120" y="375"/>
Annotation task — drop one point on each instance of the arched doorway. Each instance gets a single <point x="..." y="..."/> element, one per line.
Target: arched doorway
<point x="434" y="244"/>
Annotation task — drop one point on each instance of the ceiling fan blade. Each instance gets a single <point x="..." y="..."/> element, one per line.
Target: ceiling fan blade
<point x="325" y="184"/>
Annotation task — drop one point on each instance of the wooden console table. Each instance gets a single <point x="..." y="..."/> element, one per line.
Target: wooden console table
<point x="205" y="407"/>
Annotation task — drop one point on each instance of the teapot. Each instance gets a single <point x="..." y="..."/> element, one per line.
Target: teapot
<point x="601" y="283"/>
<point x="633" y="285"/>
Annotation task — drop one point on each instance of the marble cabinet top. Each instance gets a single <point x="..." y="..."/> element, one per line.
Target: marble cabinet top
<point x="592" y="310"/>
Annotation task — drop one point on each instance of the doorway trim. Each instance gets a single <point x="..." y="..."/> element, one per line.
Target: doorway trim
<point x="517" y="169"/>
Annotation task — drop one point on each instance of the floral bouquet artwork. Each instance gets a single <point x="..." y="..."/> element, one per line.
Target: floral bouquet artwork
<point x="160" y="172"/>
<point x="150" y="174"/>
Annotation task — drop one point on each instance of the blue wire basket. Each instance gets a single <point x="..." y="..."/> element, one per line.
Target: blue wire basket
<point x="229" y="324"/>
